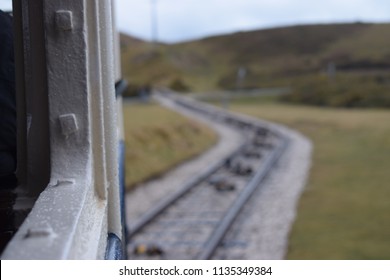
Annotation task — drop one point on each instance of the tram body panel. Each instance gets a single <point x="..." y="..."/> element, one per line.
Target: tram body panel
<point x="80" y="206"/>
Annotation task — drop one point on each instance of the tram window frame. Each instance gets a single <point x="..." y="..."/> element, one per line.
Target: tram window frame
<point x="37" y="127"/>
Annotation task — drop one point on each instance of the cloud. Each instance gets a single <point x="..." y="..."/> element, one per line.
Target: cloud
<point x="187" y="19"/>
<point x="5" y="5"/>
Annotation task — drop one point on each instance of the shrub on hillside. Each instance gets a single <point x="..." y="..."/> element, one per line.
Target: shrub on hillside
<point x="178" y="85"/>
<point x="136" y="90"/>
<point x="344" y="90"/>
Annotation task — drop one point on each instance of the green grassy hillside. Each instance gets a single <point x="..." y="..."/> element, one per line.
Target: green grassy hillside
<point x="158" y="139"/>
<point x="344" y="210"/>
<point x="339" y="59"/>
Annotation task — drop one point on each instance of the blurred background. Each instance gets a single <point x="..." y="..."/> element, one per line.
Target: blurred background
<point x="321" y="68"/>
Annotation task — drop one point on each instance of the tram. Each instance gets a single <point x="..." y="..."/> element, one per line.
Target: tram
<point x="68" y="200"/>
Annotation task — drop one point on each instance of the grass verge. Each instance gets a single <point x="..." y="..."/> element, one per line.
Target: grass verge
<point x="344" y="212"/>
<point x="158" y="139"/>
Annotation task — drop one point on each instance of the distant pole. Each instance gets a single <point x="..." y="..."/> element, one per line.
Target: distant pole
<point x="241" y="73"/>
<point x="154" y="24"/>
<point x="331" y="70"/>
<point x="225" y="100"/>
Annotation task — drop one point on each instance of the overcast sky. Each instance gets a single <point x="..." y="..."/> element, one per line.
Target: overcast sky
<point x="180" y="20"/>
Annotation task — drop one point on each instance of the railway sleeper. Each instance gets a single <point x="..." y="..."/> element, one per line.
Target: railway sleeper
<point x="251" y="154"/>
<point x="240" y="168"/>
<point x="260" y="143"/>
<point x="148" y="249"/>
<point x="221" y="183"/>
<point x="242" y="125"/>
<point x="262" y="132"/>
<point x="225" y="186"/>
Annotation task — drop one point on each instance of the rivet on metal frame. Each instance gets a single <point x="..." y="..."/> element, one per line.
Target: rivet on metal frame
<point x="64" y="20"/>
<point x="68" y="123"/>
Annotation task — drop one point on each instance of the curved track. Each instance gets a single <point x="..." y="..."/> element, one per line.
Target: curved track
<point x="193" y="222"/>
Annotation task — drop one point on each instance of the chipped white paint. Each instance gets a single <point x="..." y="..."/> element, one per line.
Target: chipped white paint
<point x="42" y="231"/>
<point x="72" y="216"/>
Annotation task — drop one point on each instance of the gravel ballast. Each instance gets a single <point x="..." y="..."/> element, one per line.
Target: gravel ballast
<point x="262" y="229"/>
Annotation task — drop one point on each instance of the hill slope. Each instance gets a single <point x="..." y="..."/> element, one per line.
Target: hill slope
<point x="289" y="56"/>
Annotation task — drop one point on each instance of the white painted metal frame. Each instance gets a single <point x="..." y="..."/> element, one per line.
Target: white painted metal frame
<point x="74" y="213"/>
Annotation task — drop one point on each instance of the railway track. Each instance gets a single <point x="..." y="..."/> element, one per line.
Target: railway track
<point x="192" y="223"/>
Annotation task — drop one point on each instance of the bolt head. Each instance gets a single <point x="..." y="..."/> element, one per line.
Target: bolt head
<point x="64" y="20"/>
